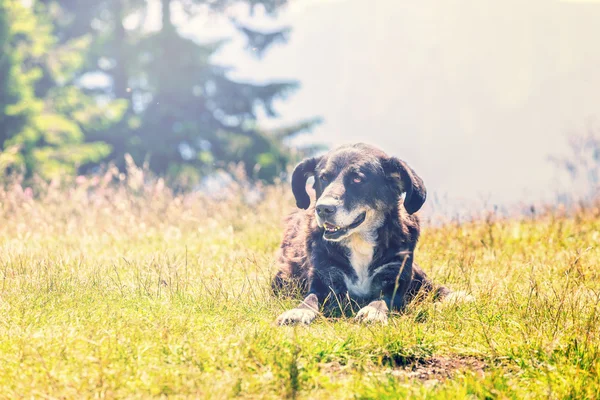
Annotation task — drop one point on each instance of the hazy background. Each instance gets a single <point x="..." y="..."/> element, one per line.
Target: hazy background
<point x="475" y="95"/>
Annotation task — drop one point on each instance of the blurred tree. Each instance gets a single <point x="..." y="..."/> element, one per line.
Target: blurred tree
<point x="16" y="89"/>
<point x="185" y="113"/>
<point x="43" y="117"/>
<point x="580" y="162"/>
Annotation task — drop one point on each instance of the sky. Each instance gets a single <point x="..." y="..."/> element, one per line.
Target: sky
<point x="475" y="96"/>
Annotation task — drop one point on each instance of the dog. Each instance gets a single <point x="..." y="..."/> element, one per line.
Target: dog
<point x="354" y="246"/>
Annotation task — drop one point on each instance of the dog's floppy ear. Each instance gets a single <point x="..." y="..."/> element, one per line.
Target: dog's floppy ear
<point x="301" y="173"/>
<point x="408" y="182"/>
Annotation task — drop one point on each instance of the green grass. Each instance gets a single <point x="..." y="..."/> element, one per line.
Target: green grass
<point x="134" y="292"/>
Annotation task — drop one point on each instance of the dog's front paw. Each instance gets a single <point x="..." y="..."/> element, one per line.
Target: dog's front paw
<point x="296" y="316"/>
<point x="370" y="314"/>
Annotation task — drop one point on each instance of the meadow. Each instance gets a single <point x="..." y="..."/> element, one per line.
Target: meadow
<point x="129" y="290"/>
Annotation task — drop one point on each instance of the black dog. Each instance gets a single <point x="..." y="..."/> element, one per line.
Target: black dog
<point x="355" y="245"/>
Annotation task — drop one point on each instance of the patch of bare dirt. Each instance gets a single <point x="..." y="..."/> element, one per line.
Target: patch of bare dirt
<point x="429" y="371"/>
<point x="440" y="368"/>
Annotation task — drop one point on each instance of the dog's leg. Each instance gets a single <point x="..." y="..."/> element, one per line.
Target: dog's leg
<point x="305" y="313"/>
<point x="396" y="279"/>
<point x="323" y="286"/>
<point x="375" y="311"/>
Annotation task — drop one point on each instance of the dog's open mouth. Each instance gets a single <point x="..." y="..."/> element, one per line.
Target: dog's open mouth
<point x="334" y="231"/>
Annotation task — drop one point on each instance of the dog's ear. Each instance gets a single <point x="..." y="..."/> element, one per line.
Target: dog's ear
<point x="408" y="182"/>
<point x="301" y="173"/>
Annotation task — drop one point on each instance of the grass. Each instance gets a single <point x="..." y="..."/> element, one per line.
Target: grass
<point x="130" y="291"/>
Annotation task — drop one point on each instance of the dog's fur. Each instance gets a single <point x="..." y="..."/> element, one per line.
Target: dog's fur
<point x="370" y="264"/>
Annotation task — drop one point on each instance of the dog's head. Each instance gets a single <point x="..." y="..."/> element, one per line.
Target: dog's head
<point x="356" y="185"/>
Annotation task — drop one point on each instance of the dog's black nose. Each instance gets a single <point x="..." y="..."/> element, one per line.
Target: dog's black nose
<point x="325" y="210"/>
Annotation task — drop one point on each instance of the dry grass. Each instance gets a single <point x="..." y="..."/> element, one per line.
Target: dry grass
<point x="131" y="291"/>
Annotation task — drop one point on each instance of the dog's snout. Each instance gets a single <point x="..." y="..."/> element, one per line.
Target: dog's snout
<point x="325" y="210"/>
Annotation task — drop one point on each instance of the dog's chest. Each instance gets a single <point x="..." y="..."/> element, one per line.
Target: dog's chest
<point x="360" y="251"/>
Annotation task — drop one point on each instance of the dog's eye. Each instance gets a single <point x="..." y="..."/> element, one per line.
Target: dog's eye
<point x="324" y="178"/>
<point x="357" y="179"/>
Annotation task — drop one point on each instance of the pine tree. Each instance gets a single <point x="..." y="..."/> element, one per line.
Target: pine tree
<point x="185" y="113"/>
<point x="17" y="100"/>
<point x="43" y="116"/>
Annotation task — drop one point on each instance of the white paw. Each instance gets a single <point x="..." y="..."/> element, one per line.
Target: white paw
<point x="371" y="314"/>
<point x="296" y="316"/>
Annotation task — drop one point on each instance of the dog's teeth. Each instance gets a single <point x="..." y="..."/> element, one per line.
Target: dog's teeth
<point x="332" y="228"/>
